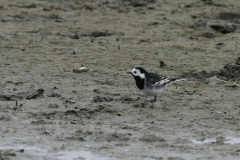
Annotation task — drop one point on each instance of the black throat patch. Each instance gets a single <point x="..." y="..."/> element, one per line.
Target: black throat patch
<point x="139" y="82"/>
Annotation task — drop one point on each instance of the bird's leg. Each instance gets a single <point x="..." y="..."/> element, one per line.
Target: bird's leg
<point x="154" y="100"/>
<point x="144" y="101"/>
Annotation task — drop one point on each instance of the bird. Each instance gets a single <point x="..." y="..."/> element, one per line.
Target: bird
<point x="151" y="84"/>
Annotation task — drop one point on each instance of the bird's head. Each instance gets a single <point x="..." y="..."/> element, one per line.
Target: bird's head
<point x="138" y="72"/>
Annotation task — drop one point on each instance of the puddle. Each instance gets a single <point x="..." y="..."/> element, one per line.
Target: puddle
<point x="227" y="140"/>
<point x="208" y="140"/>
<point x="40" y="153"/>
<point x="232" y="140"/>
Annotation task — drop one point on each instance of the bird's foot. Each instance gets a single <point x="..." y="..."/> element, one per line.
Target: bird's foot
<point x="154" y="100"/>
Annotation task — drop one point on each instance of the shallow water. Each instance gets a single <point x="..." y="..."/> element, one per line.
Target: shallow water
<point x="232" y="140"/>
<point x="209" y="140"/>
<point x="228" y="140"/>
<point x="41" y="153"/>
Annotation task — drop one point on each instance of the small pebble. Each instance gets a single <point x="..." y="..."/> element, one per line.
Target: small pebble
<point x="81" y="69"/>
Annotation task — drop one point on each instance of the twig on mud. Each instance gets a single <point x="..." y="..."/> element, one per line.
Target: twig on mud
<point x="226" y="81"/>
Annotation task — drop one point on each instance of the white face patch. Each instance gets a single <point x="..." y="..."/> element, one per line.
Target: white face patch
<point x="137" y="73"/>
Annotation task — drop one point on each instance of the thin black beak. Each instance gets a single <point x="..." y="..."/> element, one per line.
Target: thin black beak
<point x="129" y="72"/>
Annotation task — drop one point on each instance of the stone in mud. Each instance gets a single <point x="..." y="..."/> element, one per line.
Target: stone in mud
<point x="34" y="94"/>
<point x="71" y="112"/>
<point x="74" y="36"/>
<point x="231" y="71"/>
<point x="221" y="26"/>
<point x="97" y="34"/>
<point x="220" y="45"/>
<point x="101" y="34"/>
<point x="80" y="70"/>
<point x="151" y="138"/>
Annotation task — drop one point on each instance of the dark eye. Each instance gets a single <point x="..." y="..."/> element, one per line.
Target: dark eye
<point x="135" y="72"/>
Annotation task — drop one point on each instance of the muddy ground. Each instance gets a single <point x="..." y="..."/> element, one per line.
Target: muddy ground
<point x="49" y="112"/>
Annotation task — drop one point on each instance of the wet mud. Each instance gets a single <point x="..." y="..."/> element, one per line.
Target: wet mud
<point x="47" y="111"/>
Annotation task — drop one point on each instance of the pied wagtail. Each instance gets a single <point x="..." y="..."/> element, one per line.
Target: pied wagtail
<point x="151" y="83"/>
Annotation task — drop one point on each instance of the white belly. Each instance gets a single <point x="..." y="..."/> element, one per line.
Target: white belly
<point x="153" y="92"/>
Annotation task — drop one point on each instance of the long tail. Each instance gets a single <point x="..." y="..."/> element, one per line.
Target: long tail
<point x="179" y="79"/>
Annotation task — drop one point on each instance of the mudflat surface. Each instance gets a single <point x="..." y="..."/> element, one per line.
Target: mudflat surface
<point x="96" y="114"/>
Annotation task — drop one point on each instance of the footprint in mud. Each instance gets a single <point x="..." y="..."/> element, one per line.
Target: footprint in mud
<point x="101" y="99"/>
<point x="128" y="100"/>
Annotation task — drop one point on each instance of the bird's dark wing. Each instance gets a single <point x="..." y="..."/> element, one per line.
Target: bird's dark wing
<point x="158" y="80"/>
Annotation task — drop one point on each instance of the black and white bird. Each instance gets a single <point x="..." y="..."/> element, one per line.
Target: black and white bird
<point x="151" y="83"/>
